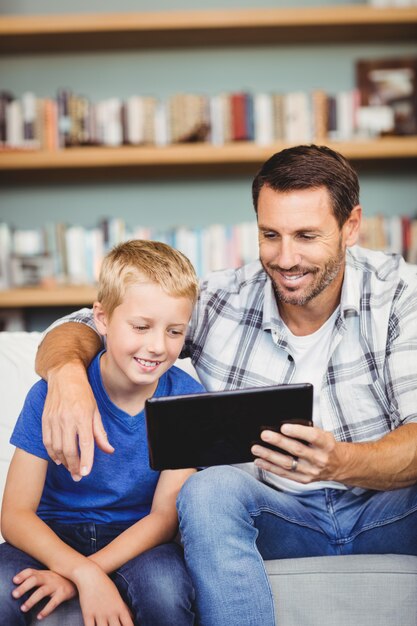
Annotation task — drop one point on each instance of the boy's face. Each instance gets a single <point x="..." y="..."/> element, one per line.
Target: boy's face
<point x="145" y="335"/>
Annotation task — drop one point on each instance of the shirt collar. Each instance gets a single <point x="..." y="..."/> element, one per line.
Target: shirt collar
<point x="271" y="319"/>
<point x="351" y="293"/>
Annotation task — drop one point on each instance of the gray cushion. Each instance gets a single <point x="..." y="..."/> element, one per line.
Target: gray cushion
<point x="364" y="590"/>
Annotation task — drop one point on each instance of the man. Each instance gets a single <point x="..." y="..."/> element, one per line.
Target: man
<point x="315" y="309"/>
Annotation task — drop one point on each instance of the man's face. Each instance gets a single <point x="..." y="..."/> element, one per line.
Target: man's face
<point x="301" y="246"/>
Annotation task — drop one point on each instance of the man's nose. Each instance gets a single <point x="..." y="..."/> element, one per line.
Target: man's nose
<point x="288" y="254"/>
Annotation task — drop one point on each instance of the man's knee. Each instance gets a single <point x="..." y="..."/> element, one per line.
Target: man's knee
<point x="213" y="487"/>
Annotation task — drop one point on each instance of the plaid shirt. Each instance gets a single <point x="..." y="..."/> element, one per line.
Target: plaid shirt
<point x="237" y="339"/>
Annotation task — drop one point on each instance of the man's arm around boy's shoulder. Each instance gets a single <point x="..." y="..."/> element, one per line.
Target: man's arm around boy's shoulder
<point x="62" y="360"/>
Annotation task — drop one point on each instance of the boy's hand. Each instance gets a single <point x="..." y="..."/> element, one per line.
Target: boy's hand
<point x="100" y="600"/>
<point x="47" y="584"/>
<point x="71" y="421"/>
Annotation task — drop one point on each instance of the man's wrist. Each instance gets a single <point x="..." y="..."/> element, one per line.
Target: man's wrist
<point x="72" y="367"/>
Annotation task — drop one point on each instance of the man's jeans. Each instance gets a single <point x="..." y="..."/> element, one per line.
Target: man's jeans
<point x="230" y="522"/>
<point x="155" y="585"/>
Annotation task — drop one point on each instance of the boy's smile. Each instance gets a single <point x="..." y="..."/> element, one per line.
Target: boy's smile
<point x="144" y="337"/>
<point x="147" y="365"/>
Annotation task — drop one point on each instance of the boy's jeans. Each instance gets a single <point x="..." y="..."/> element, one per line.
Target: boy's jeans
<point x="230" y="522"/>
<point x="155" y="585"/>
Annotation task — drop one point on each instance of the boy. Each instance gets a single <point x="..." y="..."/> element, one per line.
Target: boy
<point x="101" y="538"/>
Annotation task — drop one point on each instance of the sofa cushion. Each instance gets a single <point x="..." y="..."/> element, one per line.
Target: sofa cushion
<point x="17" y="375"/>
<point x="366" y="590"/>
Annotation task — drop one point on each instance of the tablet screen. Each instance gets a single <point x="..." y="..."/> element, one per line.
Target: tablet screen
<point x="219" y="428"/>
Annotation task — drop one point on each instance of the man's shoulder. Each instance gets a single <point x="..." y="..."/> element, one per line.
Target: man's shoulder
<point x="235" y="280"/>
<point x="383" y="266"/>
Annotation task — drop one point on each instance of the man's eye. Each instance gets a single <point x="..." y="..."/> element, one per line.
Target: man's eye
<point x="269" y="235"/>
<point x="307" y="237"/>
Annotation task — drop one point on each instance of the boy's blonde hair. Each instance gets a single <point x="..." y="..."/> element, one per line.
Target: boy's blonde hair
<point x="133" y="261"/>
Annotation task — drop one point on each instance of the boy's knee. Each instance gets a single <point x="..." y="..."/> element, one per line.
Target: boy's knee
<point x="9" y="606"/>
<point x="6" y="585"/>
<point x="67" y="614"/>
<point x="157" y="586"/>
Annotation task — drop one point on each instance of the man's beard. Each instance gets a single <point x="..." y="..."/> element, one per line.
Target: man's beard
<point x="323" y="278"/>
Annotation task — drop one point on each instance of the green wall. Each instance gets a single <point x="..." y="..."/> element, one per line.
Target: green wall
<point x="189" y="200"/>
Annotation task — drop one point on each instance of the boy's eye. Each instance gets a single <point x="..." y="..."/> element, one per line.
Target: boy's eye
<point x="140" y="327"/>
<point x="175" y="332"/>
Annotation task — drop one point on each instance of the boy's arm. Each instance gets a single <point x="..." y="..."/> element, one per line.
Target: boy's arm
<point x="22" y="528"/>
<point x="160" y="526"/>
<point x="71" y="421"/>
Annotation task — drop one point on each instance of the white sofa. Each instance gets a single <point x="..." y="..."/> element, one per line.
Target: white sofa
<point x="375" y="590"/>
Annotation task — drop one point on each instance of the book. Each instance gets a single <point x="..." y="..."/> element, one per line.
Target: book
<point x="390" y="83"/>
<point x="29" y="119"/>
<point x="297" y="128"/>
<point x="5" y="98"/>
<point x="14" y="124"/>
<point x="64" y="120"/>
<point x="278" y="120"/>
<point x="320" y="113"/>
<point x="5" y="252"/>
<point x="263" y="119"/>
<point x="239" y="116"/>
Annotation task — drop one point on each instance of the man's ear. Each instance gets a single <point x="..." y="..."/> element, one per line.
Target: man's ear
<point x="352" y="226"/>
<point x="100" y="318"/>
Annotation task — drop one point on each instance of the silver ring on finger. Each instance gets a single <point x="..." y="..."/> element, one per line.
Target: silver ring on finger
<point x="294" y="464"/>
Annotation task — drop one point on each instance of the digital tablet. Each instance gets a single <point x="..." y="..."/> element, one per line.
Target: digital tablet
<point x="219" y="428"/>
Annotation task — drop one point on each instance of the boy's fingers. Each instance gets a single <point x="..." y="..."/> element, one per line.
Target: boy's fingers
<point x="49" y="607"/>
<point x="34" y="597"/>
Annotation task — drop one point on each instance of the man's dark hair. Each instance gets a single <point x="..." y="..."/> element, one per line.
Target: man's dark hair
<point x="311" y="167"/>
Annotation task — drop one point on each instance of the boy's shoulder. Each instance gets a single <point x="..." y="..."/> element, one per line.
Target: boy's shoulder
<point x="27" y="432"/>
<point x="181" y="382"/>
<point x="37" y="393"/>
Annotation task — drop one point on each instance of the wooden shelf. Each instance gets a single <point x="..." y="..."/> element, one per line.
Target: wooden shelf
<point x="183" y="158"/>
<point x="25" y="297"/>
<point x="81" y="32"/>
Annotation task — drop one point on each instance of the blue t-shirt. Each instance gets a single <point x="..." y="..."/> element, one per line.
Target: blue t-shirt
<point x="121" y="485"/>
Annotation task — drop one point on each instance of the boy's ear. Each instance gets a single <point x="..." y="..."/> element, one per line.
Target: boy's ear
<point x="100" y="318"/>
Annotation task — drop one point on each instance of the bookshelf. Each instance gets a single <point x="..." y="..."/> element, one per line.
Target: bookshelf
<point x="329" y="24"/>
<point x="182" y="158"/>
<point x="34" y="297"/>
<point x="23" y="34"/>
<point x="48" y="34"/>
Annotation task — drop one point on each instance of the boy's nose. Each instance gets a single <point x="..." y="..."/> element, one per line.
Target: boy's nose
<point x="156" y="343"/>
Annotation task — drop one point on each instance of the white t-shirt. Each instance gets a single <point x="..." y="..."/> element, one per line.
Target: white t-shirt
<point x="311" y="355"/>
